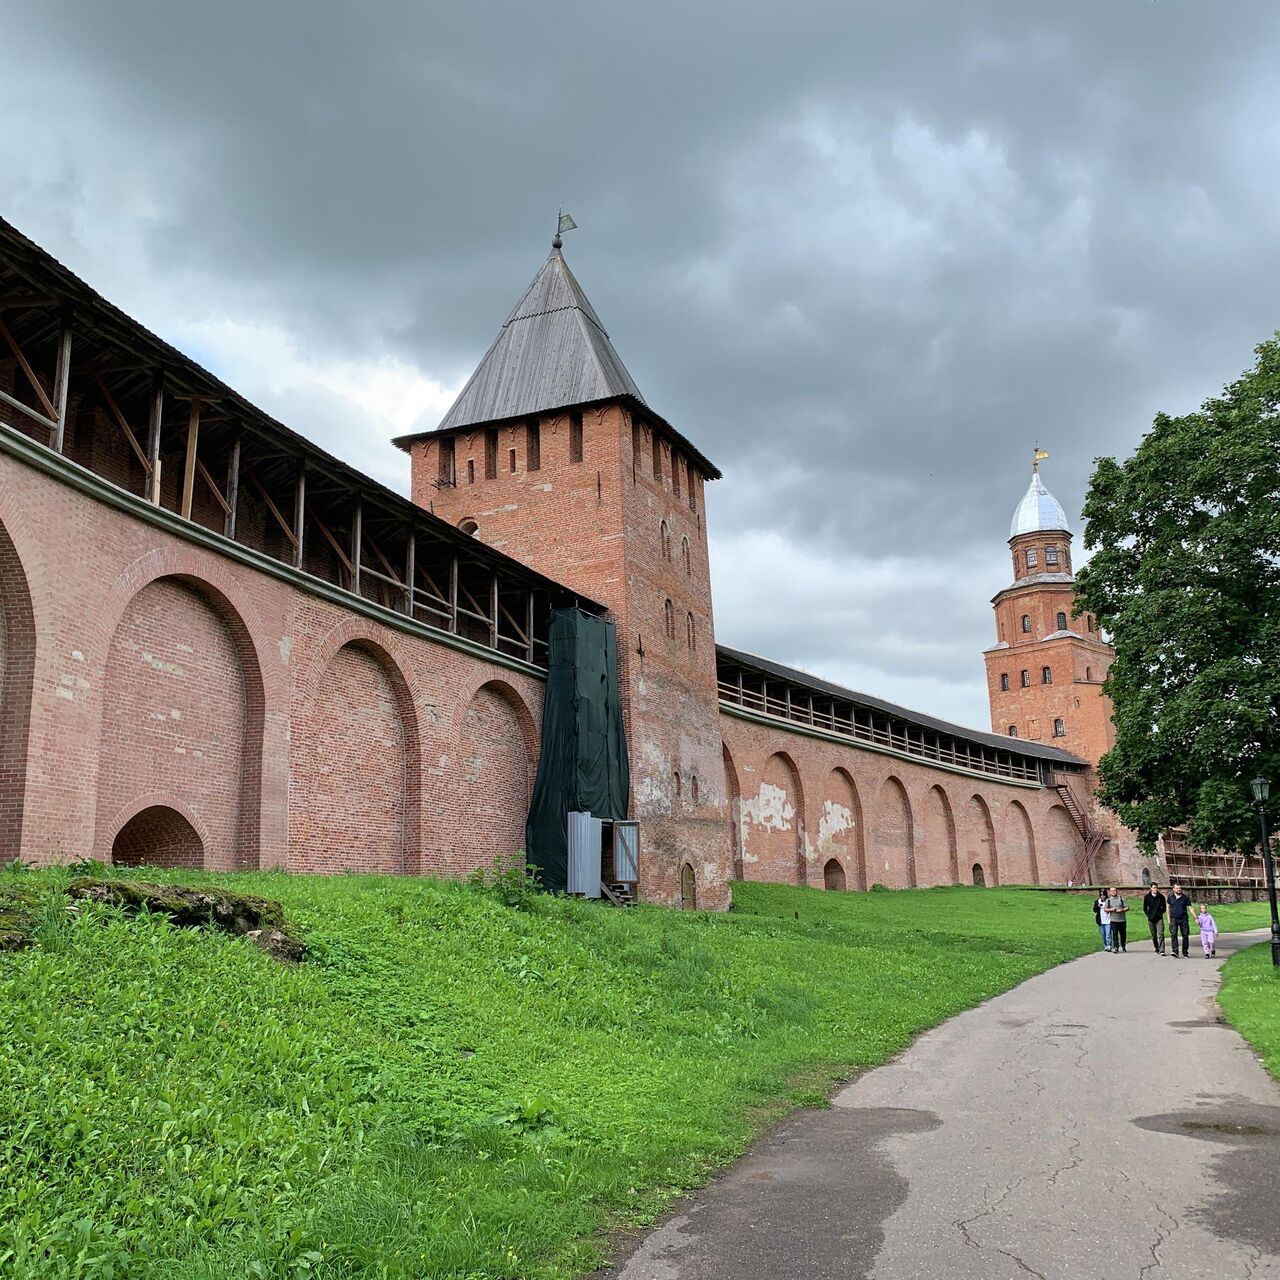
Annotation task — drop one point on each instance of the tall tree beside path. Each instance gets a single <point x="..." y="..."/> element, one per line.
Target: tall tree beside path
<point x="1186" y="579"/>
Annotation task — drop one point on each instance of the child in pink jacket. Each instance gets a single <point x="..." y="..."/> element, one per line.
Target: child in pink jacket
<point x="1208" y="932"/>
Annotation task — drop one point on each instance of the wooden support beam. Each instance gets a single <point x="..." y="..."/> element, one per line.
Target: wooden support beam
<point x="334" y="543"/>
<point x="299" y="512"/>
<point x="517" y="627"/>
<point x="453" y="594"/>
<point x="357" y="534"/>
<point x="233" y="488"/>
<point x="14" y="403"/>
<point x="528" y="626"/>
<point x="410" y="569"/>
<point x="189" y="469"/>
<point x="153" y="444"/>
<point x="49" y="407"/>
<point x="61" y="382"/>
<point x="493" y="611"/>
<point x="271" y="506"/>
<point x="123" y="425"/>
<point x="203" y="473"/>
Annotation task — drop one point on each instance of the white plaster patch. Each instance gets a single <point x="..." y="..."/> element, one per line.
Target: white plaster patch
<point x="835" y="819"/>
<point x="286" y="648"/>
<point x="169" y="668"/>
<point x="769" y="808"/>
<point x="77" y="655"/>
<point x="65" y="693"/>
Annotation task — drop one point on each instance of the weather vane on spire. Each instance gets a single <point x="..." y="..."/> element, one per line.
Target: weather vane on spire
<point x="1037" y="458"/>
<point x="565" y="223"/>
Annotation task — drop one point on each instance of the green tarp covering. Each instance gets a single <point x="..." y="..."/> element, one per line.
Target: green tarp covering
<point x="583" y="765"/>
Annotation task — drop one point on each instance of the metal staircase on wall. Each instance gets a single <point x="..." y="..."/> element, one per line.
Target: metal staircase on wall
<point x="1093" y="839"/>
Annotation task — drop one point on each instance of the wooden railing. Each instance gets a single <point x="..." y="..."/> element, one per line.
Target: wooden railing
<point x="798" y="707"/>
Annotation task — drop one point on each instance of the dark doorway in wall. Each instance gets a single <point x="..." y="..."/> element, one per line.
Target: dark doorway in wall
<point x="157" y="837"/>
<point x="688" y="889"/>
<point x="979" y="876"/>
<point x="1146" y="876"/>
<point x="833" y="875"/>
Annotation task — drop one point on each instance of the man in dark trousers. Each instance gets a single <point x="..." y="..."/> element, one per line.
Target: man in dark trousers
<point x="1179" y="918"/>
<point x="1154" y="907"/>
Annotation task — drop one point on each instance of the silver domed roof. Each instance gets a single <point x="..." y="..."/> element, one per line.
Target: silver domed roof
<point x="1038" y="510"/>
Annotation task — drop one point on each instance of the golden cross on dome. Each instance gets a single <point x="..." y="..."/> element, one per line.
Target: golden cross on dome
<point x="1037" y="458"/>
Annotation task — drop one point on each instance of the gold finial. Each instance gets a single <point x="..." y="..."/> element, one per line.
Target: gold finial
<point x="1037" y="458"/>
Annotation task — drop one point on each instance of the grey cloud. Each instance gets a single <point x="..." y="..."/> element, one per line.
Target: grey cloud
<point x="863" y="254"/>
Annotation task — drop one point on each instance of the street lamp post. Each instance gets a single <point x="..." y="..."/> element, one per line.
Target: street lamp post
<point x="1261" y="793"/>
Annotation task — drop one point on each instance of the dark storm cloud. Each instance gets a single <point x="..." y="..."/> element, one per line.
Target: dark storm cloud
<point x="863" y="254"/>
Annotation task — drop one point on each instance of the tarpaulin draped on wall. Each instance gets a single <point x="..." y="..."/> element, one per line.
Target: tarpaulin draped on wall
<point x="583" y="765"/>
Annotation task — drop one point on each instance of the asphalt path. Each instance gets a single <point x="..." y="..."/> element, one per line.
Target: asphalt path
<point x="1100" y="1120"/>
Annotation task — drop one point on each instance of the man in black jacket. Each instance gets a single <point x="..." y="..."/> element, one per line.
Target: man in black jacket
<point x="1154" y="907"/>
<point x="1179" y="921"/>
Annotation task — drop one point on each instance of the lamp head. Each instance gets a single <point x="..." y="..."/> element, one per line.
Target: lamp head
<point x="1261" y="790"/>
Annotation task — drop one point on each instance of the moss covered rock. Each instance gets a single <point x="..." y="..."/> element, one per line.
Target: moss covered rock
<point x="19" y="914"/>
<point x="242" y="914"/>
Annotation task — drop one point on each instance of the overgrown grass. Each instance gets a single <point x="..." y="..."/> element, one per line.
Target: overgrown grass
<point x="448" y="1087"/>
<point x="1250" y="997"/>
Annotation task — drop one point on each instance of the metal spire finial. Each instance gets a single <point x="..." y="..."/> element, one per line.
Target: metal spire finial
<point x="1039" y="455"/>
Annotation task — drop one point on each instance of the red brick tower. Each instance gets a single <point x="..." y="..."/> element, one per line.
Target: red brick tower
<point x="1045" y="673"/>
<point x="551" y="454"/>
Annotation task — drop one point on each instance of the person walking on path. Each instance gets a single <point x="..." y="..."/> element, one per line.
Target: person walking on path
<point x="1100" y="915"/>
<point x="1179" y="922"/>
<point x="1155" y="906"/>
<point x="1208" y="932"/>
<point x="1117" y="909"/>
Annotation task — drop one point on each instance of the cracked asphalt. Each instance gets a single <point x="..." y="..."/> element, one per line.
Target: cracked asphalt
<point x="1098" y="1121"/>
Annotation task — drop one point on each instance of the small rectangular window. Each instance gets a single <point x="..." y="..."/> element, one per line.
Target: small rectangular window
<point x="575" y="436"/>
<point x="1051" y="555"/>
<point x="448" y="474"/>
<point x="1031" y="558"/>
<point x="1059" y="729"/>
<point x="532" y="445"/>
<point x="511" y="460"/>
<point x="1046" y="675"/>
<point x="1026" y="679"/>
<point x="471" y="471"/>
<point x="1004" y="682"/>
<point x="657" y="458"/>
<point x="491" y="454"/>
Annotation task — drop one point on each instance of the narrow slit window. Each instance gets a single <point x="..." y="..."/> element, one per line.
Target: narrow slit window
<point x="448" y="474"/>
<point x="675" y="473"/>
<point x="1026" y="679"/>
<point x="1004" y="682"/>
<point x="691" y="635"/>
<point x="471" y="471"/>
<point x="684" y="555"/>
<point x="665" y="535"/>
<point x="575" y="436"/>
<point x="1046" y="675"/>
<point x="657" y="458"/>
<point x="670" y="611"/>
<point x="532" y="445"/>
<point x="511" y="460"/>
<point x="491" y="454"/>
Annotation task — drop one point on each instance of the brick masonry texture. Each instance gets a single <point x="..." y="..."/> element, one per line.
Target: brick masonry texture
<point x="249" y="722"/>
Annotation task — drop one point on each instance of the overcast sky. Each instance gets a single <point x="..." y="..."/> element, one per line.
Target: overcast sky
<point x="864" y="254"/>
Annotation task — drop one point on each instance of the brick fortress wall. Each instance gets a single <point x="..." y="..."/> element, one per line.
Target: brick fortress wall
<point x="160" y="696"/>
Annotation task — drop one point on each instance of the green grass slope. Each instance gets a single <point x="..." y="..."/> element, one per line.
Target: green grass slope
<point x="447" y="1087"/>
<point x="1250" y="998"/>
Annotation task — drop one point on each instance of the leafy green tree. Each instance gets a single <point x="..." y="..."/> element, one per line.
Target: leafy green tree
<point x="1186" y="579"/>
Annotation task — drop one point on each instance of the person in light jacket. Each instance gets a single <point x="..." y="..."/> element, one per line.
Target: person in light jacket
<point x="1117" y="910"/>
<point x="1208" y="932"/>
<point x="1100" y="915"/>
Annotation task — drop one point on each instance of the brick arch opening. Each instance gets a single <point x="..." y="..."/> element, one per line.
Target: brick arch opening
<point x="840" y="828"/>
<point x="158" y="836"/>
<point x="733" y="793"/>
<point x="353" y="786"/>
<point x="980" y="840"/>
<point x="893" y="860"/>
<point x="1061" y="844"/>
<point x="979" y="876"/>
<point x="936" y="855"/>
<point x="17" y="668"/>
<point x="182" y="718"/>
<point x="772" y="824"/>
<point x="491" y="781"/>
<point x="1020" y="866"/>
<point x="833" y="876"/>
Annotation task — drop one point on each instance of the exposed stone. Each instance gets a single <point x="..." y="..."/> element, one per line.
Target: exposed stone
<point x="261" y="920"/>
<point x="17" y="920"/>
